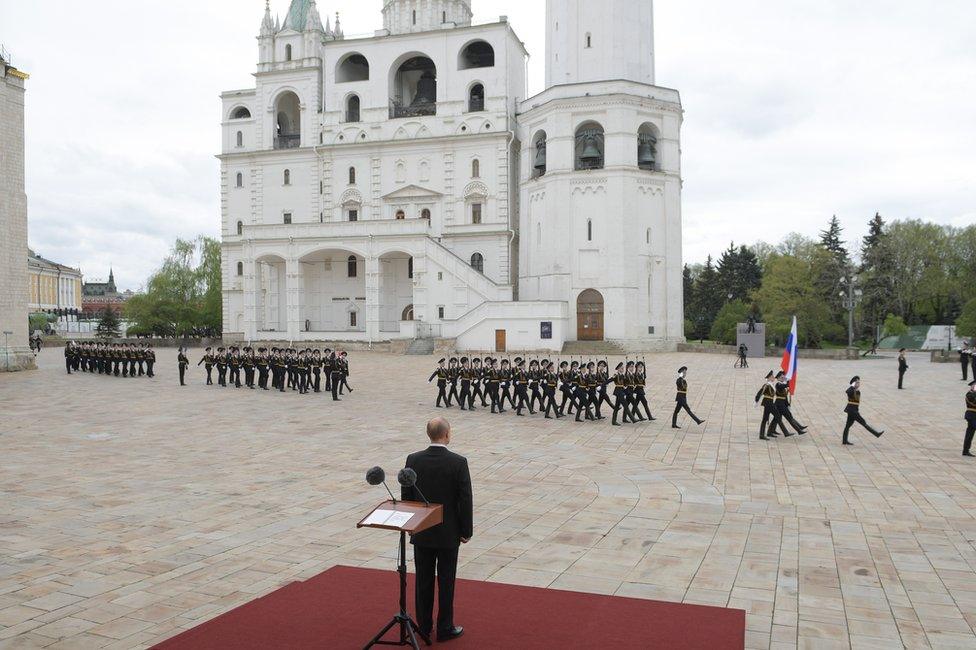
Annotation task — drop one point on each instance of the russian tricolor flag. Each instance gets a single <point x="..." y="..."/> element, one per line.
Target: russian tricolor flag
<point x="789" y="358"/>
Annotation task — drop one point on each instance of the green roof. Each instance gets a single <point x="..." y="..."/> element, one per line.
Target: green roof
<point x="297" y="12"/>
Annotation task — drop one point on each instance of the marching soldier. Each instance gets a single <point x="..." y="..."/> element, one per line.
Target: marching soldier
<point x="681" y="399"/>
<point x="767" y="397"/>
<point x="640" y="383"/>
<point x="783" y="405"/>
<point x="262" y="363"/>
<point x="853" y="410"/>
<point x="182" y="361"/>
<point x="208" y="361"/>
<point x="441" y="374"/>
<point x="970" y="419"/>
<point x="620" y="384"/>
<point x="902" y="367"/>
<point x="964" y="355"/>
<point x="221" y="367"/>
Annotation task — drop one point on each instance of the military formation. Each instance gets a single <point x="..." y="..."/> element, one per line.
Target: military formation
<point x="282" y="369"/>
<point x="555" y="389"/>
<point x="103" y="358"/>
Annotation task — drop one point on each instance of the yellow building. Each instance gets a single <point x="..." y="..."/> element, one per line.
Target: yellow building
<point x="51" y="285"/>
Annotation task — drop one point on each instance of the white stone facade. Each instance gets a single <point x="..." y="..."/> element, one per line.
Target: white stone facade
<point x="384" y="187"/>
<point x="14" y="352"/>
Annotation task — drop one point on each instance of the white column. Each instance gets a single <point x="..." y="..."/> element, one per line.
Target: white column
<point x="295" y="298"/>
<point x="372" y="298"/>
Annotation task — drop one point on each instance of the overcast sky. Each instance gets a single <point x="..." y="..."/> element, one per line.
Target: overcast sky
<point x="794" y="110"/>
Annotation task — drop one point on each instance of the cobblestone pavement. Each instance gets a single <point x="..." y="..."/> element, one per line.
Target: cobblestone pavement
<point x="133" y="509"/>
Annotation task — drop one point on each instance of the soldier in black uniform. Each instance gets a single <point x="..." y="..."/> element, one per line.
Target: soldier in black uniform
<point x="902" y="367"/>
<point x="767" y="395"/>
<point x="464" y="397"/>
<point x="207" y="359"/>
<point x="316" y="364"/>
<point x="336" y="376"/>
<point x="853" y="410"/>
<point x="69" y="347"/>
<point x="221" y="367"/>
<point x="477" y="384"/>
<point x="970" y="419"/>
<point x="150" y="361"/>
<point x="681" y="399"/>
<point x="520" y="379"/>
<point x="783" y="405"/>
<point x="640" y="384"/>
<point x="603" y="380"/>
<point x="964" y="355"/>
<point x="550" y="380"/>
<point x="182" y="361"/>
<point x="344" y="371"/>
<point x="247" y="362"/>
<point x="441" y="374"/>
<point x="620" y="385"/>
<point x="492" y="375"/>
<point x="261" y="363"/>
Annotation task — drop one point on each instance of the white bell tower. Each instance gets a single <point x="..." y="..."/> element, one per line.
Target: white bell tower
<point x="408" y="16"/>
<point x="599" y="41"/>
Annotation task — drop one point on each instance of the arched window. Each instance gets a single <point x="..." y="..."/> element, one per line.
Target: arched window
<point x="478" y="54"/>
<point x="288" y="53"/>
<point x="240" y="113"/>
<point x="351" y="266"/>
<point x="413" y="91"/>
<point x="240" y="268"/>
<point x="414" y="17"/>
<point x="240" y="139"/>
<point x="401" y="173"/>
<point x="476" y="98"/>
<point x="240" y="227"/>
<point x="425" y="214"/>
<point x="539" y="163"/>
<point x="589" y="146"/>
<point x="352" y="175"/>
<point x="407" y="313"/>
<point x="287" y="121"/>
<point x="240" y="179"/>
<point x="475" y="213"/>
<point x="352" y="319"/>
<point x="400" y="215"/>
<point x="647" y="157"/>
<point x="589" y="40"/>
<point x="354" y="67"/>
<point x="287" y="177"/>
<point x="352" y="108"/>
<point x="478" y="262"/>
<point x="589" y="230"/>
<point x="475" y="168"/>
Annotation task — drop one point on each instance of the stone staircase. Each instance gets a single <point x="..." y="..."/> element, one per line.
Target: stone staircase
<point x="593" y="349"/>
<point x="421" y="347"/>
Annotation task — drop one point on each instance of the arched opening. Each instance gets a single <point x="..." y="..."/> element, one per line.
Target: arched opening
<point x="240" y="179"/>
<point x="407" y="313"/>
<point x="240" y="139"/>
<point x="589" y="316"/>
<point x="353" y="67"/>
<point x="351" y="268"/>
<point x="334" y="287"/>
<point x="647" y="158"/>
<point x="286" y="177"/>
<point x="475" y="168"/>
<point x="539" y="162"/>
<point x="352" y="108"/>
<point x="240" y="227"/>
<point x="287" y="121"/>
<point x="413" y="88"/>
<point x="478" y="262"/>
<point x="400" y="215"/>
<point x="589" y="146"/>
<point x="240" y="113"/>
<point x="395" y="290"/>
<point x="288" y="53"/>
<point x="476" y="98"/>
<point x="352" y="175"/>
<point x="240" y="269"/>
<point x="270" y="291"/>
<point x="478" y="54"/>
<point x="425" y="214"/>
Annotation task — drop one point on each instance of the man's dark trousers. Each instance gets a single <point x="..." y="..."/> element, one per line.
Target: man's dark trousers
<point x="444" y="560"/>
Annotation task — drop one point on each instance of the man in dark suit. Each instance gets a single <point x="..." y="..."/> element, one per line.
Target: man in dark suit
<point x="442" y="477"/>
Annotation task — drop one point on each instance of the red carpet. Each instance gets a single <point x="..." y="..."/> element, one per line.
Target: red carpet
<point x="344" y="607"/>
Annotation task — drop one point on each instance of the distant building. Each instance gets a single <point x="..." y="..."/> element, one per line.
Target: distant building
<point x="97" y="296"/>
<point x="14" y="353"/>
<point x="53" y="287"/>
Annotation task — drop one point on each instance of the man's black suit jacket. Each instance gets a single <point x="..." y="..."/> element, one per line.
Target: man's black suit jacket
<point x="444" y="478"/>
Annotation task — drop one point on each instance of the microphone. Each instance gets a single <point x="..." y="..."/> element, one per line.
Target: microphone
<point x="376" y="475"/>
<point x="408" y="478"/>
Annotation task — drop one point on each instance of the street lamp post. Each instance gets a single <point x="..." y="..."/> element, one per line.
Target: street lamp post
<point x="850" y="295"/>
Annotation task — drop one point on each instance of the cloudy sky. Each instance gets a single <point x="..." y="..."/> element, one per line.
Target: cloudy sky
<point x="794" y="110"/>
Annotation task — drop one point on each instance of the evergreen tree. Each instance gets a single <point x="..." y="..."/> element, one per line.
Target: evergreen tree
<point x="831" y="241"/>
<point x="688" y="282"/>
<point x="108" y="324"/>
<point x="876" y="271"/>
<point x="709" y="298"/>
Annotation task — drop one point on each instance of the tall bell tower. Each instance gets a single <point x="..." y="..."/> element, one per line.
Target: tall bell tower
<point x="409" y="16"/>
<point x="599" y="41"/>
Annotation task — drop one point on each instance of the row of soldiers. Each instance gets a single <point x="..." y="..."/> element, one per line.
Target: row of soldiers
<point x="287" y="368"/>
<point x="967" y="358"/>
<point x="583" y="388"/>
<point x="103" y="358"/>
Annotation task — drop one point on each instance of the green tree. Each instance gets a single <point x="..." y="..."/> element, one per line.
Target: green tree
<point x="728" y="317"/>
<point x="708" y="299"/>
<point x="894" y="326"/>
<point x="966" y="323"/>
<point x="876" y="271"/>
<point x="739" y="273"/>
<point x="788" y="289"/>
<point x="182" y="298"/>
<point x="108" y="324"/>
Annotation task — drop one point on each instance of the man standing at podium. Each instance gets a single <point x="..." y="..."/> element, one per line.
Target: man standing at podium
<point x="442" y="477"/>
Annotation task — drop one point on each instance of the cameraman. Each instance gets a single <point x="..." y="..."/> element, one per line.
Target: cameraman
<point x="743" y="352"/>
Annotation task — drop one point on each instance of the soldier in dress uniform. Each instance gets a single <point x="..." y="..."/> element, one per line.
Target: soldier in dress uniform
<point x="150" y="361"/>
<point x="247" y="362"/>
<point x="477" y="384"/>
<point x="640" y="385"/>
<point x="970" y="419"/>
<point x="853" y="410"/>
<point x="767" y="398"/>
<point x="208" y="360"/>
<point x="902" y="367"/>
<point x="221" y="361"/>
<point x="620" y="385"/>
<point x="964" y="356"/>
<point x="681" y="398"/>
<point x="783" y="405"/>
<point x="261" y="363"/>
<point x="441" y="374"/>
<point x="182" y="361"/>
<point x="344" y="371"/>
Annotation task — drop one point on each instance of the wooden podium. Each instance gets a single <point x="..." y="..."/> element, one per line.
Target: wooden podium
<point x="405" y="517"/>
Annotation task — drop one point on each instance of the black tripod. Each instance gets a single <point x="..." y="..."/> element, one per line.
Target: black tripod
<point x="409" y="630"/>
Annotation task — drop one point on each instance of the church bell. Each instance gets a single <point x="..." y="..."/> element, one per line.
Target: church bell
<point x="646" y="156"/>
<point x="540" y="156"/>
<point x="426" y="90"/>
<point x="591" y="153"/>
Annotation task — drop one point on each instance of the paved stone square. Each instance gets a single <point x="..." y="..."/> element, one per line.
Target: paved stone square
<point x="132" y="509"/>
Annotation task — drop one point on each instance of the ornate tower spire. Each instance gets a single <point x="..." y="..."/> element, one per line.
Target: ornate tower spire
<point x="267" y="25"/>
<point x="313" y="23"/>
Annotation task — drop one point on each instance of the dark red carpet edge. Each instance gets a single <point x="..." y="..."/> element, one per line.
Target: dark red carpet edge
<point x="345" y="606"/>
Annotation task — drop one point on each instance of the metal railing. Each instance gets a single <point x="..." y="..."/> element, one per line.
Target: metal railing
<point x="288" y="141"/>
<point x="398" y="110"/>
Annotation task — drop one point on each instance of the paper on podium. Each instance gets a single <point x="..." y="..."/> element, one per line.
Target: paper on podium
<point x="387" y="518"/>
